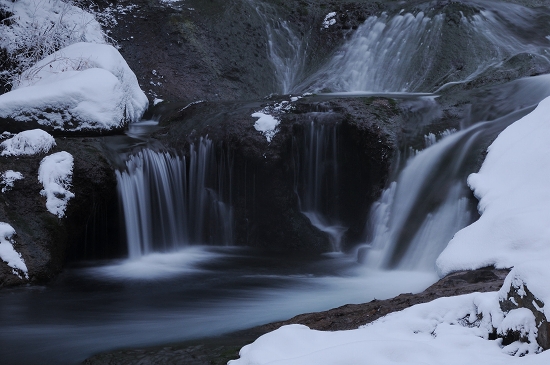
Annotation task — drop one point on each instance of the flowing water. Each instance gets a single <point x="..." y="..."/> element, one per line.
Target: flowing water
<point x="183" y="279"/>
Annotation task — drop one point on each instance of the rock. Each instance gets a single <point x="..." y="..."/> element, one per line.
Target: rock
<point x="46" y="241"/>
<point x="264" y="174"/>
<point x="517" y="296"/>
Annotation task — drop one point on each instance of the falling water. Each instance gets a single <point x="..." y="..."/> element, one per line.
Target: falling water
<point x="406" y="52"/>
<point x="316" y="159"/>
<point x="286" y="50"/>
<point x="171" y="201"/>
<point x="418" y="214"/>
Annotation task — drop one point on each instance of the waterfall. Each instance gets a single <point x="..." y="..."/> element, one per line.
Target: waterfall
<point x="410" y="53"/>
<point x="171" y="201"/>
<point x="419" y="212"/>
<point x="316" y="166"/>
<point x="286" y="50"/>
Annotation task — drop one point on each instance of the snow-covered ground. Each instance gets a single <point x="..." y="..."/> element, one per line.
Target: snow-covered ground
<point x="513" y="231"/>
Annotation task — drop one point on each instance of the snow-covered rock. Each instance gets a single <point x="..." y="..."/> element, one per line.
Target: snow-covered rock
<point x="513" y="191"/>
<point x="29" y="142"/>
<point x="8" y="253"/>
<point x="8" y="179"/>
<point x="55" y="174"/>
<point x="82" y="87"/>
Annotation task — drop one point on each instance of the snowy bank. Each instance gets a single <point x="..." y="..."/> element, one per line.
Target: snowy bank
<point x="82" y="87"/>
<point x="29" y="142"/>
<point x="513" y="191"/>
<point x="447" y="331"/>
<point x="8" y="253"/>
<point x="55" y="174"/>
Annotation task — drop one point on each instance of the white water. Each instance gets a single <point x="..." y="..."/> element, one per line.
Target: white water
<point x="170" y="201"/>
<point x="400" y="53"/>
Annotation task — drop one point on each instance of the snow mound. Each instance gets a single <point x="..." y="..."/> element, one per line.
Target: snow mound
<point x="8" y="253"/>
<point x="29" y="142"/>
<point x="55" y="174"/>
<point x="84" y="86"/>
<point x="37" y="28"/>
<point x="447" y="331"/>
<point x="512" y="188"/>
<point x="8" y="179"/>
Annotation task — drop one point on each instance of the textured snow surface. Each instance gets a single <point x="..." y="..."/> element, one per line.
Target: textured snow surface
<point x="8" y="179"/>
<point x="55" y="174"/>
<point x="513" y="188"/>
<point x="8" y="253"/>
<point x="84" y="86"/>
<point x="29" y="142"/>
<point x="444" y="331"/>
<point x="40" y="15"/>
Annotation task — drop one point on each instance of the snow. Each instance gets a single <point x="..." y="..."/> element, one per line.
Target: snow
<point x="55" y="174"/>
<point x="33" y="18"/>
<point x="29" y="142"/>
<point x="8" y="179"/>
<point x="512" y="188"/>
<point x="80" y="87"/>
<point x="329" y="20"/>
<point x="444" y="331"/>
<point x="266" y="124"/>
<point x="8" y="253"/>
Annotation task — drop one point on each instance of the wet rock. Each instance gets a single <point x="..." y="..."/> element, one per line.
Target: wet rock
<point x="264" y="187"/>
<point x="90" y="223"/>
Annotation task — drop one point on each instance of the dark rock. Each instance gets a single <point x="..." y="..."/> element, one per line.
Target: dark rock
<point x="45" y="240"/>
<point x="522" y="297"/>
<point x="264" y="174"/>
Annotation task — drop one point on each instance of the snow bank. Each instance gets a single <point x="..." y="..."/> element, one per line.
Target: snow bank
<point x="445" y="331"/>
<point x="8" y="253"/>
<point x="28" y="143"/>
<point x="55" y="174"/>
<point x="514" y="195"/>
<point x="8" y="179"/>
<point x="84" y="86"/>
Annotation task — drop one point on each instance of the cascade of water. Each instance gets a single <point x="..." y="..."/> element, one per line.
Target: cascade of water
<point x="316" y="160"/>
<point x="285" y="49"/>
<point x="381" y="54"/>
<point x="172" y="201"/>
<point x="406" y="52"/>
<point x="418" y="214"/>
